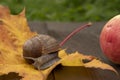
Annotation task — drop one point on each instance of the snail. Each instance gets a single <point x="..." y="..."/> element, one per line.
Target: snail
<point x="42" y="50"/>
<point x="41" y="45"/>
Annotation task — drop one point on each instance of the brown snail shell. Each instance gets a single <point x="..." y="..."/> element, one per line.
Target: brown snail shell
<point x="39" y="45"/>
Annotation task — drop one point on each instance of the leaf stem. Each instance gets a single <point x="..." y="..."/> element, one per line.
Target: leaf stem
<point x="74" y="32"/>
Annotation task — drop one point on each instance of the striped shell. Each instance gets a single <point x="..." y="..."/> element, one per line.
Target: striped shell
<point x="40" y="45"/>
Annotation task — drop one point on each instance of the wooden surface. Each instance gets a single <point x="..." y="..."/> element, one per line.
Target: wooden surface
<point x="86" y="42"/>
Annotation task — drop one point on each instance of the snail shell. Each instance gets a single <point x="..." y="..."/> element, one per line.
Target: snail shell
<point x="40" y="45"/>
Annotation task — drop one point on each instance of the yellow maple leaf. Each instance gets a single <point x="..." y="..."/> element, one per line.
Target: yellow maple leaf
<point x="14" y="31"/>
<point x="76" y="59"/>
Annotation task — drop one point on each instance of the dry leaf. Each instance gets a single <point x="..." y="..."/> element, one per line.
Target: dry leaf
<point x="76" y="59"/>
<point x="14" y="31"/>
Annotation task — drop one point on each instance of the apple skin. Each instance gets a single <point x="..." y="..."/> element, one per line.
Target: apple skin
<point x="110" y="39"/>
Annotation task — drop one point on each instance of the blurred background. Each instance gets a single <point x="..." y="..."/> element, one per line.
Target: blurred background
<point x="65" y="10"/>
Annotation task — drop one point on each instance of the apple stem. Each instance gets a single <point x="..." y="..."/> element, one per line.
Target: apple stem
<point x="74" y="32"/>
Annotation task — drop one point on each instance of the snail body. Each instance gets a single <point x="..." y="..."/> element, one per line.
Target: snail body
<point x="37" y="48"/>
<point x="44" y="61"/>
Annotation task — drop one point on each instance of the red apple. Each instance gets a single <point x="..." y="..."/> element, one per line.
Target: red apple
<point x="110" y="39"/>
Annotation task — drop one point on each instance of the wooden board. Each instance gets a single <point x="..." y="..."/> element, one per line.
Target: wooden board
<point x="86" y="42"/>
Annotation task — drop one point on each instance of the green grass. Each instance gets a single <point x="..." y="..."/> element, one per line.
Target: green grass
<point x="65" y="10"/>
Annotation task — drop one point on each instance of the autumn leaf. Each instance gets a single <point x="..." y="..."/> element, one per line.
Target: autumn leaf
<point x="77" y="59"/>
<point x="14" y="31"/>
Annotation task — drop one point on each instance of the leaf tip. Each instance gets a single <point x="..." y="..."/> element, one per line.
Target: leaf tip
<point x="23" y="12"/>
